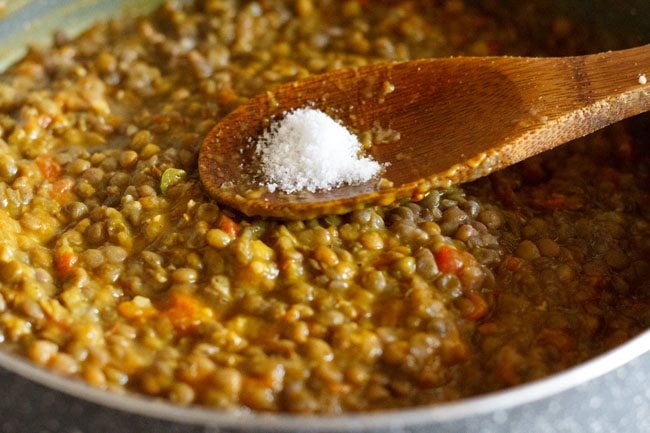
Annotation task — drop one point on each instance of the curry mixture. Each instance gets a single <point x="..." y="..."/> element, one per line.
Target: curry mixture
<point x="117" y="268"/>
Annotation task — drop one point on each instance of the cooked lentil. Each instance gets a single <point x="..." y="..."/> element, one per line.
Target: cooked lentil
<point x="117" y="268"/>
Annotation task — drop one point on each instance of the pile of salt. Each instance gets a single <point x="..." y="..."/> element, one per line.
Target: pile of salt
<point x="308" y="150"/>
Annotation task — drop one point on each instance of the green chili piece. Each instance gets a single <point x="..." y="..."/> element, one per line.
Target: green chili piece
<point x="171" y="177"/>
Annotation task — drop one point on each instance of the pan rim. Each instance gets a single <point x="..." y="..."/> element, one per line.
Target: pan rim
<point x="364" y="421"/>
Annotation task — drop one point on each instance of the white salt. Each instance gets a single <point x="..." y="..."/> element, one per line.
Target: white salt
<point x="643" y="79"/>
<point x="308" y="150"/>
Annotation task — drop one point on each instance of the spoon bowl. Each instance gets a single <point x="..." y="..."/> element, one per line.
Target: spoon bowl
<point x="433" y="122"/>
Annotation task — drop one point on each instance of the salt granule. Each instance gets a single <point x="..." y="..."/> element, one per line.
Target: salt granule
<point x="643" y="79"/>
<point x="308" y="150"/>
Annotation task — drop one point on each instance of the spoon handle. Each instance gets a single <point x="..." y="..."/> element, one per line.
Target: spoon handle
<point x="571" y="97"/>
<point x="613" y="73"/>
<point x="612" y="83"/>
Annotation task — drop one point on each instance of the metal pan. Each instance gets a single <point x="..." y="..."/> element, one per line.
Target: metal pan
<point x="576" y="400"/>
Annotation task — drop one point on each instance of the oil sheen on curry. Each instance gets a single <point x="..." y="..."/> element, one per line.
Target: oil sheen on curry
<point x="118" y="269"/>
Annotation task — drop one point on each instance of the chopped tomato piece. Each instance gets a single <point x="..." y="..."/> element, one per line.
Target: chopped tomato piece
<point x="479" y="307"/>
<point x="508" y="362"/>
<point x="338" y="388"/>
<point x="448" y="260"/>
<point x="62" y="191"/>
<point x="417" y="196"/>
<point x="64" y="262"/>
<point x="186" y="311"/>
<point x="507" y="372"/>
<point x="557" y="338"/>
<point x="488" y="328"/>
<point x="512" y="263"/>
<point x="228" y="225"/>
<point x="557" y="201"/>
<point x="49" y="168"/>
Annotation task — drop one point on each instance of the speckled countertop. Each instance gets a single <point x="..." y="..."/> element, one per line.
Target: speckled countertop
<point x="617" y="402"/>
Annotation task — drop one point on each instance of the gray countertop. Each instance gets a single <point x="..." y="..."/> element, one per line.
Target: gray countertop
<point x="616" y="402"/>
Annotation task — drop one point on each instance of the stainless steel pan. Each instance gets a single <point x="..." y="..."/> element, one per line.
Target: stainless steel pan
<point x="577" y="400"/>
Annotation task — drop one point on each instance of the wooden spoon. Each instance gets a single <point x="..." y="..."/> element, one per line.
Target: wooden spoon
<point x="457" y="119"/>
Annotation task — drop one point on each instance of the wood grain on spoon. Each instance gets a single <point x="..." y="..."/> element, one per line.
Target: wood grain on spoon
<point x="457" y="119"/>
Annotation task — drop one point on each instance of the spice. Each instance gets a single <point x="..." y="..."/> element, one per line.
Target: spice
<point x="308" y="150"/>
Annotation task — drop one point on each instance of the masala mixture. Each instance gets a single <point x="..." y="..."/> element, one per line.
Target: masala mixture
<point x="118" y="269"/>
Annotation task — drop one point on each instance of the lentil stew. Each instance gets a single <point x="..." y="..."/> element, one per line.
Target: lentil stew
<point x="115" y="266"/>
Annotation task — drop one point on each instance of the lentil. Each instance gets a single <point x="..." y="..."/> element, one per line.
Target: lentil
<point x="117" y="268"/>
